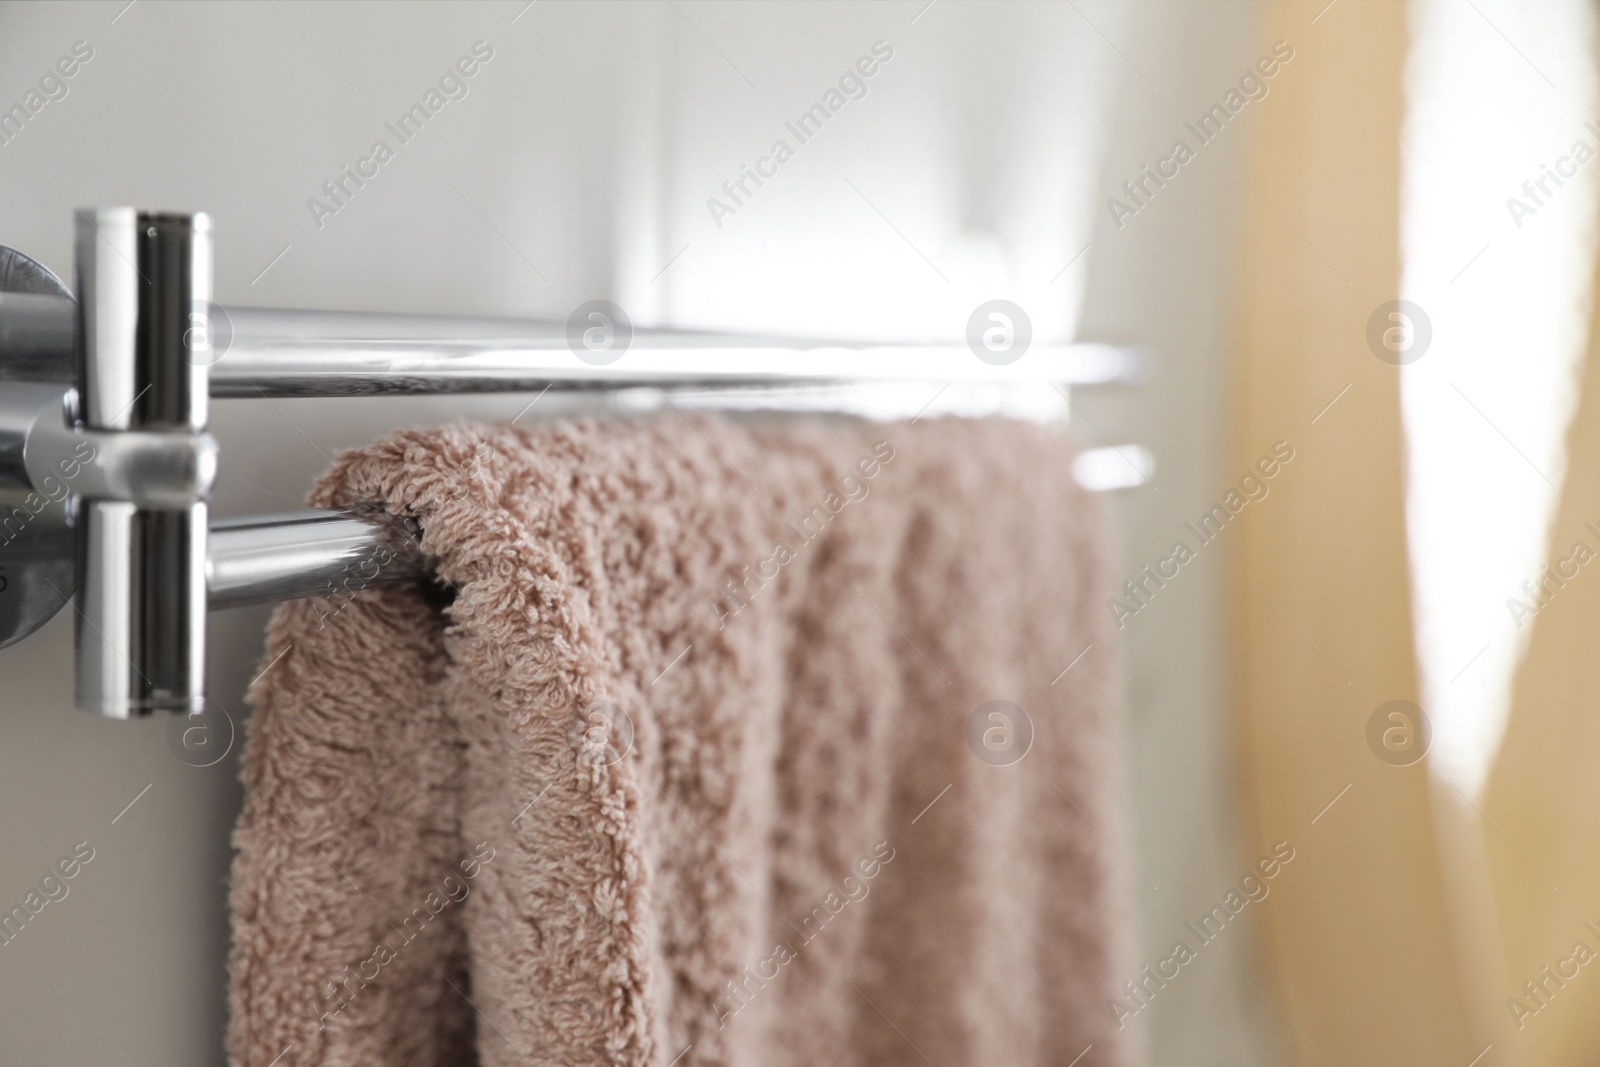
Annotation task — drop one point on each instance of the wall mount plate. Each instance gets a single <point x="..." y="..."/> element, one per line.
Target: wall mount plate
<point x="38" y="571"/>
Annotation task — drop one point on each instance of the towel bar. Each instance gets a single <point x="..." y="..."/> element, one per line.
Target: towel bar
<point x="106" y="466"/>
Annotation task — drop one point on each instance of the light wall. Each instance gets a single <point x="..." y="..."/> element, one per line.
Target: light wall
<point x="1165" y="276"/>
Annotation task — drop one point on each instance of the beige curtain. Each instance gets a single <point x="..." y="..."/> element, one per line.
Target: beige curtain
<point x="1543" y="800"/>
<point x="1367" y="961"/>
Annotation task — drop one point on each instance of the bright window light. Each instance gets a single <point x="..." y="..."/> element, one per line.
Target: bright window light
<point x="1499" y="254"/>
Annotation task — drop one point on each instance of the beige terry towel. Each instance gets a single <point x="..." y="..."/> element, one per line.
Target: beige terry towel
<point x="688" y="770"/>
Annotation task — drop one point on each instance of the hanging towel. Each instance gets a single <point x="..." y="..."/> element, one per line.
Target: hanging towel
<point x="715" y="742"/>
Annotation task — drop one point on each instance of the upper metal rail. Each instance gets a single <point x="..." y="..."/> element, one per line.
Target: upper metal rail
<point x="273" y="352"/>
<point x="269" y="352"/>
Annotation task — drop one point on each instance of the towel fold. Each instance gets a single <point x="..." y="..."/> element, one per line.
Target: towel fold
<point x="715" y="743"/>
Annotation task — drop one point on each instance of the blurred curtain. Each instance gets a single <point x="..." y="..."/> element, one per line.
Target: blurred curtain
<point x="1542" y="802"/>
<point x="1367" y="965"/>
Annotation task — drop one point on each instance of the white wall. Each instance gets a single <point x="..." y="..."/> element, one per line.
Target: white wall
<point x="579" y="166"/>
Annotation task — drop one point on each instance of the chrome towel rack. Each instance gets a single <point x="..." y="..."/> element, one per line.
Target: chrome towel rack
<point x="106" y="465"/>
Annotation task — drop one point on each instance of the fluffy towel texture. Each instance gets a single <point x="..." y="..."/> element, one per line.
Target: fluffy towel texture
<point x="452" y="853"/>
